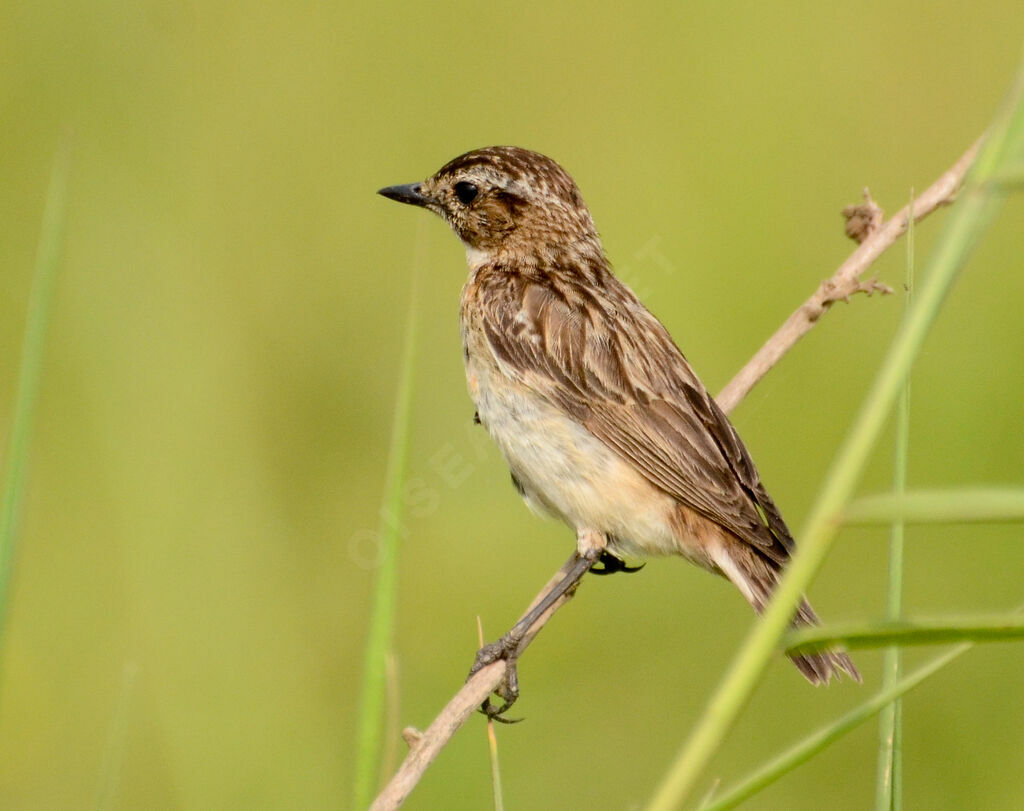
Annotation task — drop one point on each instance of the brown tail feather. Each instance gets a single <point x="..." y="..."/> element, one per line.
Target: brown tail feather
<point x="756" y="577"/>
<point x="819" y="667"/>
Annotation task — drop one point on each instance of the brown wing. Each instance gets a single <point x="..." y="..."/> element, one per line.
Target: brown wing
<point x="602" y="357"/>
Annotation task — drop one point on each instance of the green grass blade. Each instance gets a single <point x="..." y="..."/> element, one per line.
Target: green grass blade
<point x="975" y="208"/>
<point x="382" y="616"/>
<point x="823" y="738"/>
<point x="816" y="742"/>
<point x="51" y="238"/>
<point x="117" y="739"/>
<point x="938" y="506"/>
<point x="888" y="782"/>
<point x="997" y="628"/>
<point x="389" y="758"/>
<point x="1012" y="178"/>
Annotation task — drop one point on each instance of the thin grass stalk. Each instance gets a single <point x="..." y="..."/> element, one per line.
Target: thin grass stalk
<point x="944" y="631"/>
<point x="117" y="742"/>
<point x="888" y="781"/>
<point x="392" y="731"/>
<point x="382" y="616"/>
<point x="51" y="239"/>
<point x="978" y="203"/>
<point x="818" y="741"/>
<point x="492" y="744"/>
<point x="1011" y="177"/>
<point x="957" y="506"/>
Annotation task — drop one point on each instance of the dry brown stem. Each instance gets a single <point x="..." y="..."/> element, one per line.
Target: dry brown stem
<point x="425" y="746"/>
<point x="874" y="238"/>
<point x="845" y="281"/>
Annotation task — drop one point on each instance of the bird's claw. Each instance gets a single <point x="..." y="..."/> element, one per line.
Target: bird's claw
<point x="508" y="691"/>
<point x="612" y="565"/>
<point x="506" y="648"/>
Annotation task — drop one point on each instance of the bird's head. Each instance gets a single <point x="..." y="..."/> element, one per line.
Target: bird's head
<point x="505" y="200"/>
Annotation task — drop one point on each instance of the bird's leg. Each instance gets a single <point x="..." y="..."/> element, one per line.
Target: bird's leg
<point x="590" y="547"/>
<point x="610" y="564"/>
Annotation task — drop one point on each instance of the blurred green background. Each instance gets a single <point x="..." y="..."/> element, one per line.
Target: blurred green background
<point x="197" y="546"/>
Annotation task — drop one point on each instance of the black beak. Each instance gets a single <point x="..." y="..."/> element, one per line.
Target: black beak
<point x="408" y="193"/>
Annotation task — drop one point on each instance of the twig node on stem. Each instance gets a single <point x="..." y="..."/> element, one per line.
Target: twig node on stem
<point x="863" y="219"/>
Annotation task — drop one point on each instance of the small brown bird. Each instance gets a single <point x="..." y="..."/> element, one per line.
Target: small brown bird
<point x="598" y="414"/>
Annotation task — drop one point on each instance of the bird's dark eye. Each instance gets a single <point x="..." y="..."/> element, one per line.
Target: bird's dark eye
<point x="466" y="192"/>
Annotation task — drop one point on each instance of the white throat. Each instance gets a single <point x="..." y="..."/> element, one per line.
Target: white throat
<point x="476" y="258"/>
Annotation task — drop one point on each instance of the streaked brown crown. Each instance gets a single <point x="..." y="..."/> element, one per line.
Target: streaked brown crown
<point x="505" y="199"/>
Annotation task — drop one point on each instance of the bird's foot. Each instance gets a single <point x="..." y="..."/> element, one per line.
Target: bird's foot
<point x="612" y="565"/>
<point x="506" y="648"/>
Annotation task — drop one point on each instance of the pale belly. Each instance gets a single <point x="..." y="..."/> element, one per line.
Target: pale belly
<point x="565" y="471"/>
